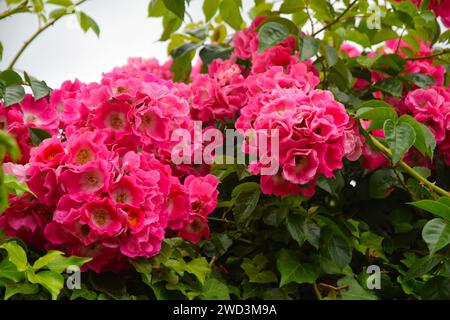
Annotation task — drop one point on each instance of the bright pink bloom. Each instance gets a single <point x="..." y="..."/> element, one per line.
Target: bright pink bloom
<point x="85" y="180"/>
<point x="202" y="193"/>
<point x="102" y="217"/>
<point x="195" y="229"/>
<point x="42" y="182"/>
<point x="300" y="166"/>
<point x="50" y="152"/>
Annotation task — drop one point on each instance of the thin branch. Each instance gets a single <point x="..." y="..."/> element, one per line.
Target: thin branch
<point x="35" y="35"/>
<point x="333" y="288"/>
<point x="21" y="7"/>
<point x="413" y="173"/>
<point x="317" y="292"/>
<point x="434" y="55"/>
<point x="400" y="40"/>
<point x="309" y="16"/>
<point x="221" y="220"/>
<point x="338" y="18"/>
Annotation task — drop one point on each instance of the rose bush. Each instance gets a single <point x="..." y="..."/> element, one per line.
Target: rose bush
<point x="358" y="98"/>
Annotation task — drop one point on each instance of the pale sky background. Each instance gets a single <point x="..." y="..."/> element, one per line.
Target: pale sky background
<point x="64" y="52"/>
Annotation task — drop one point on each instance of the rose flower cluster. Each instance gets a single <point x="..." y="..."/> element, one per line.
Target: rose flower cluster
<point x="429" y="106"/>
<point x="315" y="132"/>
<point x="103" y="184"/>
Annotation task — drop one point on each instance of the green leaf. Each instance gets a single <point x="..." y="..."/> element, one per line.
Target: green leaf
<point x="16" y="254"/>
<point x="210" y="8"/>
<point x="271" y="34"/>
<point x="437" y="288"/>
<point x="425" y="141"/>
<point x="177" y="265"/>
<point x="50" y="280"/>
<point x="294" y="270"/>
<point x="371" y="242"/>
<point x="341" y="75"/>
<point x="376" y="104"/>
<point x="309" y="47"/>
<point x="378" y="115"/>
<point x="358" y="37"/>
<point x="83" y="294"/>
<point x="20" y="288"/>
<point x="354" y="291"/>
<point x="330" y="55"/>
<point x="275" y="216"/>
<point x="200" y="268"/>
<point x="391" y="86"/>
<point x="185" y="49"/>
<point x="87" y="23"/>
<point x="391" y="64"/>
<point x="436" y="234"/>
<point x="381" y="183"/>
<point x="181" y="68"/>
<point x="291" y="6"/>
<point x="63" y="3"/>
<point x="339" y="251"/>
<point x="437" y="208"/>
<point x="291" y="26"/>
<point x="7" y="141"/>
<point x="383" y="35"/>
<point x="60" y="263"/>
<point x="245" y="197"/>
<point x="156" y="8"/>
<point x="109" y="284"/>
<point x="230" y="13"/>
<point x="312" y="233"/>
<point x="9" y="271"/>
<point x="296" y="224"/>
<point x="171" y="23"/>
<point x="38" y="5"/>
<point x="300" y="18"/>
<point x="197" y="32"/>
<point x="176" y="6"/>
<point x="45" y="260"/>
<point x="399" y="138"/>
<point x="10" y="77"/>
<point x="58" y="13"/>
<point x="210" y="52"/>
<point x="39" y="88"/>
<point x="215" y="290"/>
<point x="254" y="269"/>
<point x="1" y="51"/>
<point x="14" y="186"/>
<point x="13" y="94"/>
<point x="38" y="135"/>
<point x="419" y="79"/>
<point x="422" y="266"/>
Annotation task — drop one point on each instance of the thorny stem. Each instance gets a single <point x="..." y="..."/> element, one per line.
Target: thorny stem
<point x="413" y="173"/>
<point x="338" y="18"/>
<point x="36" y="34"/>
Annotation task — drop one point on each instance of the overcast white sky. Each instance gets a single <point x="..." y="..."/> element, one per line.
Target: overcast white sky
<point x="64" y="52"/>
